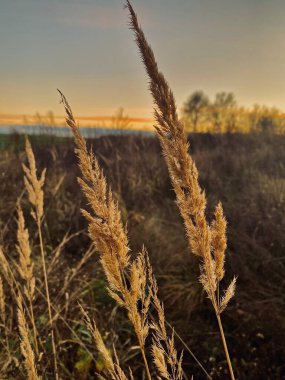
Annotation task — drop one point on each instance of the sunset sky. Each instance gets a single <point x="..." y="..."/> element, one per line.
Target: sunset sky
<point x="86" y="49"/>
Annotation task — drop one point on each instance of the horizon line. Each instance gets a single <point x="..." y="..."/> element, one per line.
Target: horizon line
<point x="91" y="118"/>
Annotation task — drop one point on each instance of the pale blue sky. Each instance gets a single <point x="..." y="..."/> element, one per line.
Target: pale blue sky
<point x="85" y="48"/>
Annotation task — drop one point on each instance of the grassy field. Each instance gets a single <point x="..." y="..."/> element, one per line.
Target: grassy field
<point x="245" y="172"/>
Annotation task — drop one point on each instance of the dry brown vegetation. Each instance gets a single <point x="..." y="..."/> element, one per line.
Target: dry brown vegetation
<point x="61" y="318"/>
<point x="250" y="182"/>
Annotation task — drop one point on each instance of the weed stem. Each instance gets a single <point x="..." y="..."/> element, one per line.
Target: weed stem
<point x="225" y="347"/>
<point x="48" y="298"/>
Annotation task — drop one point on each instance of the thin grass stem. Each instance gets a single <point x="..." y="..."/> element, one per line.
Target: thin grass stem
<point x="48" y="298"/>
<point x="225" y="347"/>
<point x="145" y="363"/>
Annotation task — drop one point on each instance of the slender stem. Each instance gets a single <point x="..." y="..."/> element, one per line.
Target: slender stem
<point x="34" y="325"/>
<point x="145" y="363"/>
<point x="68" y="326"/>
<point x="189" y="350"/>
<point x="137" y="332"/>
<point x="48" y="298"/>
<point x="225" y="347"/>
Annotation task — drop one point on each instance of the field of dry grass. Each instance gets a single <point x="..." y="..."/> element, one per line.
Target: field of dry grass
<point x="137" y="279"/>
<point x="245" y="172"/>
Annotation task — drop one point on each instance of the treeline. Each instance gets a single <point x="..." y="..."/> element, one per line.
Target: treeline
<point x="223" y="114"/>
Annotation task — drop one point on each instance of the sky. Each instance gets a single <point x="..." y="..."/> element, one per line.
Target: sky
<point x="86" y="49"/>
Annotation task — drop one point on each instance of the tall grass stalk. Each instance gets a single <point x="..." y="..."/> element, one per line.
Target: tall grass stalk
<point x="131" y="283"/>
<point x="25" y="269"/>
<point x="36" y="196"/>
<point x="207" y="241"/>
<point x="110" y="238"/>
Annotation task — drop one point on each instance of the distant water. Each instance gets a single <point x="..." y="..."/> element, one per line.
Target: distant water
<point x="66" y="132"/>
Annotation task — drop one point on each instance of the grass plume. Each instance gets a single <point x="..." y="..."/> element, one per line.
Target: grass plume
<point x="34" y="187"/>
<point x="131" y="283"/>
<point x="110" y="238"/>
<point x="206" y="241"/>
<point x="25" y="268"/>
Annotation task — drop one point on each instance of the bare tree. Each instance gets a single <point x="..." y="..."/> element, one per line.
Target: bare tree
<point x="222" y="111"/>
<point x="194" y="107"/>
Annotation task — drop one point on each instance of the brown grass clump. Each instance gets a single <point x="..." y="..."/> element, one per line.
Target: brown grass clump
<point x="206" y="241"/>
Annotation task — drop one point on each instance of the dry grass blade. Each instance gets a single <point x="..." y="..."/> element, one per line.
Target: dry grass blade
<point x="58" y="250"/>
<point x="163" y="347"/>
<point x="25" y="343"/>
<point x="75" y="271"/>
<point x="8" y="274"/>
<point x="207" y="242"/>
<point x="113" y="368"/>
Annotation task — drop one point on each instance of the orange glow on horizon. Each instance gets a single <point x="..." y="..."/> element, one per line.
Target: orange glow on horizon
<point x="87" y="121"/>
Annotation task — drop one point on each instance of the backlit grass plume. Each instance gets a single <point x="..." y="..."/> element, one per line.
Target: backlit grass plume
<point x="110" y="238"/>
<point x="25" y="268"/>
<point x="34" y="187"/>
<point x="163" y="347"/>
<point x="130" y="281"/>
<point x="207" y="241"/>
<point x="33" y="184"/>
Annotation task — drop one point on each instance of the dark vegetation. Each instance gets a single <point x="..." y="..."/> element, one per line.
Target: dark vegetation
<point x="245" y="172"/>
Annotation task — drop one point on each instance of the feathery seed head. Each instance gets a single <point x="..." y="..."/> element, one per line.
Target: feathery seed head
<point x="33" y="184"/>
<point x="219" y="240"/>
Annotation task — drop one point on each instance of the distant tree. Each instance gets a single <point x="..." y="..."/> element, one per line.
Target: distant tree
<point x="225" y="100"/>
<point x="222" y="112"/>
<point x="264" y="119"/>
<point x="266" y="124"/>
<point x="231" y="122"/>
<point x="194" y="107"/>
<point x="254" y="116"/>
